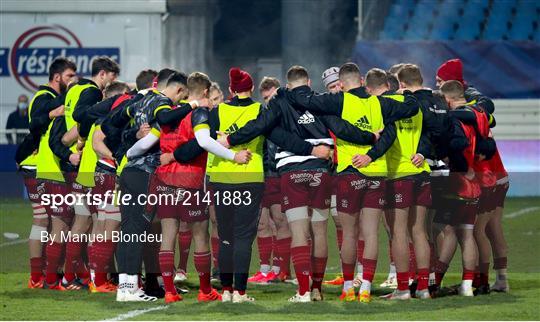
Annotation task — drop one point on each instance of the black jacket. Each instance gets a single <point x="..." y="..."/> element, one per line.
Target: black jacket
<point x="87" y="99"/>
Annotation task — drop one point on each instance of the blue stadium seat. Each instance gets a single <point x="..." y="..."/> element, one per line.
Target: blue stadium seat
<point x="468" y="31"/>
<point x="442" y="32"/>
<point x="521" y="29"/>
<point x="495" y="30"/>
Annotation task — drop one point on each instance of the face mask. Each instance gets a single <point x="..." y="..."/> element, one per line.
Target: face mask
<point x="22" y="105"/>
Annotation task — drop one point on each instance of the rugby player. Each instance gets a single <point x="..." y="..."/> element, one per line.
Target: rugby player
<point x="46" y="105"/>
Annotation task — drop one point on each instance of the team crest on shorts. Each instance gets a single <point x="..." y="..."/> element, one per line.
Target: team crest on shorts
<point x="344" y="203"/>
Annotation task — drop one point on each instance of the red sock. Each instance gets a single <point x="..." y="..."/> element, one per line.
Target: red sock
<point x="369" y="266"/>
<point x="301" y="258"/>
<point x="73" y="257"/>
<point x="265" y="249"/>
<point x="423" y="279"/>
<point x="215" y="251"/>
<point x="202" y="265"/>
<point x="166" y="265"/>
<point x="402" y="281"/>
<point x="36" y="264"/>
<point x="348" y="270"/>
<point x="360" y="249"/>
<point x="440" y="270"/>
<point x="339" y="235"/>
<point x="500" y="263"/>
<point x="467" y="274"/>
<point x="276" y="257"/>
<point x="284" y="250"/>
<point x="227" y="288"/>
<point x="318" y="267"/>
<point x="241" y="292"/>
<point x="103" y="252"/>
<point x="484" y="273"/>
<point x="412" y="262"/>
<point x="54" y="254"/>
<point x="184" y="243"/>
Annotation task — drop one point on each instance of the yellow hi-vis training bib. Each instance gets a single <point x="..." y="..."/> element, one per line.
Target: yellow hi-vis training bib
<point x="48" y="164"/>
<point x="399" y="155"/>
<point x="32" y="159"/>
<point x="72" y="97"/>
<point x="89" y="159"/>
<point x="232" y="118"/>
<point x="365" y="114"/>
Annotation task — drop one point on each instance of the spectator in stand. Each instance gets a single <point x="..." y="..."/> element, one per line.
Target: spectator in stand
<point x="18" y="119"/>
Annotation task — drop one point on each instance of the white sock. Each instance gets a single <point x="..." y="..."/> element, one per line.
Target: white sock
<point x="265" y="269"/>
<point x="347" y="285"/>
<point x="132" y="282"/>
<point x="466" y="284"/>
<point x="92" y="275"/>
<point x="366" y="286"/>
<point x="501" y="275"/>
<point x="275" y="269"/>
<point x="359" y="268"/>
<point x="392" y="272"/>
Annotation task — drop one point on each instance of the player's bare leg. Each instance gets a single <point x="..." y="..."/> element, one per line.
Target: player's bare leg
<point x="299" y="224"/>
<point x="370" y="218"/>
<point x="469" y="257"/>
<point x="214" y="241"/>
<point x="391" y="280"/>
<point x="40" y="224"/>
<point x="55" y="248"/>
<point x="484" y="251"/>
<point x="417" y="231"/>
<point x="348" y="253"/>
<point x="283" y="241"/>
<point x="74" y="267"/>
<point x="499" y="248"/>
<point x="202" y="259"/>
<point x="185" y="236"/>
<point x="400" y="252"/>
<point x="446" y="245"/>
<point x="169" y="231"/>
<point x="264" y="245"/>
<point x="319" y="255"/>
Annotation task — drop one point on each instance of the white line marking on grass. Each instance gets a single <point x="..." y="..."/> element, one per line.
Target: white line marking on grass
<point x="15" y="242"/>
<point x="134" y="313"/>
<point x="521" y="212"/>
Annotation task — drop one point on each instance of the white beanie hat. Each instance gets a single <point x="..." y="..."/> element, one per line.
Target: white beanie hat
<point x="330" y="75"/>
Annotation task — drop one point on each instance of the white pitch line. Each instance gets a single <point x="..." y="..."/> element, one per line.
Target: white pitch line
<point x="134" y="313"/>
<point x="521" y="212"/>
<point x="15" y="242"/>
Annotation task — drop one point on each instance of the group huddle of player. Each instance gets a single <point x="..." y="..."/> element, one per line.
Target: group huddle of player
<point x="378" y="148"/>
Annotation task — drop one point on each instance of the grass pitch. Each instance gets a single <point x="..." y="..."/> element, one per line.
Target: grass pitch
<point x="522" y="303"/>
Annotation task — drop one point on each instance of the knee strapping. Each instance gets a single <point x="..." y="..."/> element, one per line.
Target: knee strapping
<point x="36" y="231"/>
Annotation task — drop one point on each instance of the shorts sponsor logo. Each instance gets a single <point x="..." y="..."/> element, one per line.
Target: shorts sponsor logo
<point x="374" y="185"/>
<point x="399" y="197"/>
<point x="381" y="201"/>
<point x="33" y="196"/>
<point x="359" y="184"/>
<point x="314" y="179"/>
<point x="285" y="200"/>
<point x="194" y="213"/>
<point x="100" y="177"/>
<point x="344" y="203"/>
<point x="41" y="188"/>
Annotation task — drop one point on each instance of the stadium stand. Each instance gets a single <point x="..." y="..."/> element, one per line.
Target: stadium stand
<point x="516" y="20"/>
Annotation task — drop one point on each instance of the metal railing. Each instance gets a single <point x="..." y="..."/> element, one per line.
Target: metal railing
<point x="13" y="133"/>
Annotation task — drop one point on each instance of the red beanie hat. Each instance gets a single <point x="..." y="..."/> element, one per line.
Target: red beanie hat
<point x="451" y="70"/>
<point x="239" y="80"/>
